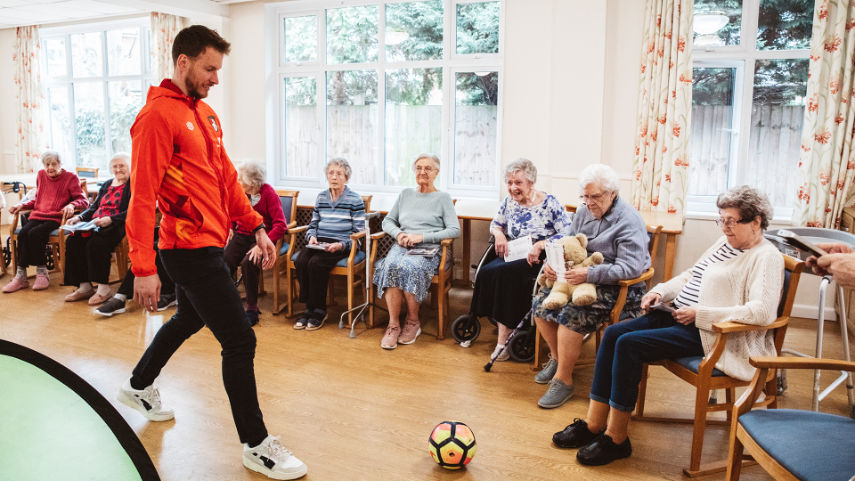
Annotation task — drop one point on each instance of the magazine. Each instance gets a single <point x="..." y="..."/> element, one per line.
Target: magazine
<point x="423" y="251"/>
<point x="321" y="246"/>
<point x="81" y="226"/>
<point x="663" y="307"/>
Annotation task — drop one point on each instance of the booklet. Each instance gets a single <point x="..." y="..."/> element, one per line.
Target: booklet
<point x="518" y="249"/>
<point x="663" y="307"/>
<point x="555" y="257"/>
<point x="799" y="242"/>
<point x="423" y="251"/>
<point x="81" y="226"/>
<point x="322" y="246"/>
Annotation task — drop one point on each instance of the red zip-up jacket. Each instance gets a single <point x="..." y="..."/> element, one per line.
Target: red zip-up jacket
<point x="180" y="166"/>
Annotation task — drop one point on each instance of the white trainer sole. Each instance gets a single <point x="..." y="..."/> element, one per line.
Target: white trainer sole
<point x="297" y="472"/>
<point x="129" y="401"/>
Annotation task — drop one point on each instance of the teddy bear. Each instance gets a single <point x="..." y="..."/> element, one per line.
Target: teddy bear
<point x="575" y="255"/>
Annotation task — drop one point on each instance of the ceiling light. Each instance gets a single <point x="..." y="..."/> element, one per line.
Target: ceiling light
<point x="709" y="23"/>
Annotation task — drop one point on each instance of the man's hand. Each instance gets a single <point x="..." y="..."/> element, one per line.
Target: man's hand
<point x="103" y="221"/>
<point x="268" y="250"/>
<point x="840" y="266"/>
<point x="147" y="292"/>
<point x="256" y="256"/>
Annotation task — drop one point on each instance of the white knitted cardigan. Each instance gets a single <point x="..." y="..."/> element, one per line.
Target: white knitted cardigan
<point x="744" y="289"/>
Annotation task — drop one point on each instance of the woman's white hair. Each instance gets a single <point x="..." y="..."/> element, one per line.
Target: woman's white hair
<point x="600" y="174"/>
<point x="432" y="157"/>
<point x="120" y="155"/>
<point x="50" y="155"/>
<point x="522" y="165"/>
<point x="341" y="163"/>
<point x="252" y="173"/>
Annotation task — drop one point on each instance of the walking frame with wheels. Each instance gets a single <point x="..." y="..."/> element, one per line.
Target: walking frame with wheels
<point x="360" y="309"/>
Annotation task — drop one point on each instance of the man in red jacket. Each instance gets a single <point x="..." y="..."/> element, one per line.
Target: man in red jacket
<point x="181" y="167"/>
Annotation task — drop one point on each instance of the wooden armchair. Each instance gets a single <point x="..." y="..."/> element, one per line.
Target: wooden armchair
<point x="288" y="199"/>
<point x="700" y="372"/>
<point x="55" y="244"/>
<point x="381" y="243"/>
<point x="791" y="444"/>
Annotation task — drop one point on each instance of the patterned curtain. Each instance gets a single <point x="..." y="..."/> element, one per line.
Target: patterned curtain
<point x="164" y="28"/>
<point x="31" y="132"/>
<point x="664" y="107"/>
<point x="826" y="161"/>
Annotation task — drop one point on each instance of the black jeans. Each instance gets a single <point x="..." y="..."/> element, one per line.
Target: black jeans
<point x="32" y="240"/>
<point x="87" y="259"/>
<point x="207" y="297"/>
<point x="313" y="273"/>
<point x="167" y="287"/>
<point x="237" y="252"/>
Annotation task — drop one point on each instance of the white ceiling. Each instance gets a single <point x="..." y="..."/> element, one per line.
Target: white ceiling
<point x="14" y="13"/>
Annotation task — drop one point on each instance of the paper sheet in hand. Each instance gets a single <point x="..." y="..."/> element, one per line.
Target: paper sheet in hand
<point x="555" y="257"/>
<point x="80" y="226"/>
<point x="518" y="249"/>
<point x="320" y="246"/>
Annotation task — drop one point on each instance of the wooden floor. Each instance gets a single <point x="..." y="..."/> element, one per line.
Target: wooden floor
<point x="353" y="411"/>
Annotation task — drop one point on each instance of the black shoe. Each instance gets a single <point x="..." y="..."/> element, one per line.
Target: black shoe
<point x="603" y="451"/>
<point x="317" y="320"/>
<point x="112" y="306"/>
<point x="574" y="436"/>
<point x="166" y="301"/>
<point x="302" y="320"/>
<point x="252" y="317"/>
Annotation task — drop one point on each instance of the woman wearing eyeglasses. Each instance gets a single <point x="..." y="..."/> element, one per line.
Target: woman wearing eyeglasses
<point x="739" y="277"/>
<point x="421" y="217"/>
<point x="615" y="229"/>
<point x="503" y="288"/>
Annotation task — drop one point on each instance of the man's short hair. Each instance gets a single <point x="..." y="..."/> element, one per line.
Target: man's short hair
<point x="194" y="39"/>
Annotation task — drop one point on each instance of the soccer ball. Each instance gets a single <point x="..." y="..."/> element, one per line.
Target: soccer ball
<point x="452" y="444"/>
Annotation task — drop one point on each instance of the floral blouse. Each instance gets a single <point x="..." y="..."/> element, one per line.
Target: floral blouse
<point x="541" y="221"/>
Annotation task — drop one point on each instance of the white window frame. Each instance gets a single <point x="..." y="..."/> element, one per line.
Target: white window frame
<point x="145" y="77"/>
<point x="743" y="58"/>
<point x="451" y="63"/>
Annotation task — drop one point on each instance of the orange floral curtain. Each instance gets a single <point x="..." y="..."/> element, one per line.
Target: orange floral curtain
<point x="30" y="138"/>
<point x="660" y="166"/>
<point x="164" y="28"/>
<point x="826" y="161"/>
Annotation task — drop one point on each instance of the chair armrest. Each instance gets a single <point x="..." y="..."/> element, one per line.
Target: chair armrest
<point x="773" y="362"/>
<point x="378" y="235"/>
<point x="648" y="274"/>
<point x="292" y="238"/>
<point x="727" y="327"/>
<point x="357" y="235"/>
<point x="354" y="245"/>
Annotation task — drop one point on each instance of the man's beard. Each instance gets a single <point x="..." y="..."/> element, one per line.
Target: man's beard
<point x="193" y="88"/>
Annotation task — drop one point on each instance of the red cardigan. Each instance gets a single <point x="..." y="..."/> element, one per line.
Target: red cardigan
<point x="270" y="207"/>
<point x="52" y="194"/>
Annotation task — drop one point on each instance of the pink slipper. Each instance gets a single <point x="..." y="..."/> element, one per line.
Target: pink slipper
<point x="16" y="284"/>
<point x="99" y="299"/>
<point x="42" y="282"/>
<point x="79" y="295"/>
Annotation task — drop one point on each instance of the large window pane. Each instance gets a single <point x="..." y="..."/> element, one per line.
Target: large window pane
<point x="352" y="34"/>
<point x="414" y="31"/>
<point x="478" y="27"/>
<point x="126" y="100"/>
<point x="89" y="124"/>
<point x="301" y="39"/>
<point x="123" y="51"/>
<point x="87" y="54"/>
<point x="413" y="120"/>
<point x="352" y="122"/>
<point x="784" y="24"/>
<point x="777" y="114"/>
<point x="59" y="119"/>
<point x="475" y="127"/>
<point x="302" y="132"/>
<point x="55" y="57"/>
<point x="717" y="22"/>
<point x="712" y="129"/>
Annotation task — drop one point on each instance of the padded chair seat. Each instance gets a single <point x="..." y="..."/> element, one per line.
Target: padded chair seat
<point x="54" y="232"/>
<point x="359" y="257"/>
<point x="692" y="362"/>
<point x="811" y="445"/>
<point x="284" y="249"/>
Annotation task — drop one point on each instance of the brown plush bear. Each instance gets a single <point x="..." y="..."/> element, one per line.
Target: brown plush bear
<point x="575" y="255"/>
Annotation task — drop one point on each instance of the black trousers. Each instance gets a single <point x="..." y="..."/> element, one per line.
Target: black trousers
<point x="32" y="240"/>
<point x="167" y="287"/>
<point x="313" y="274"/>
<point x="207" y="297"/>
<point x="87" y="259"/>
<point x="237" y="252"/>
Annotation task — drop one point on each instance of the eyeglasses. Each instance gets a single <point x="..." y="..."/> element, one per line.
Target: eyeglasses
<point x="731" y="222"/>
<point x="427" y="169"/>
<point x="592" y="198"/>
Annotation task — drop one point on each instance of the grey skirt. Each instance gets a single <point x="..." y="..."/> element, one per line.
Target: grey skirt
<point x="585" y="319"/>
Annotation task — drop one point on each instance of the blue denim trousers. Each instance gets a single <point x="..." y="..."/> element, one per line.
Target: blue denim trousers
<point x="627" y="345"/>
<point x="207" y="296"/>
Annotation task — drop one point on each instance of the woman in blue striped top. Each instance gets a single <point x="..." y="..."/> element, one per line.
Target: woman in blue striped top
<point x="338" y="213"/>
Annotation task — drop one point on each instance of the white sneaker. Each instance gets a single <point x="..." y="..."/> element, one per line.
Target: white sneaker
<point x="271" y="459"/>
<point x="504" y="356"/>
<point x="146" y="401"/>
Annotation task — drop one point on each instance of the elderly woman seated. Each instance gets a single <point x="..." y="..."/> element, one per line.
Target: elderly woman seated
<point x="338" y="213"/>
<point x="87" y="252"/>
<point x="503" y="289"/>
<point x="58" y="194"/>
<point x="739" y="277"/>
<point x="241" y="248"/>
<point x="421" y="217"/>
<point x="615" y="229"/>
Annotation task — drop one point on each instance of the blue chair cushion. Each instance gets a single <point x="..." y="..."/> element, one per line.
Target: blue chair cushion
<point x="692" y="362"/>
<point x="54" y="232"/>
<point x="359" y="257"/>
<point x="811" y="445"/>
<point x="284" y="249"/>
